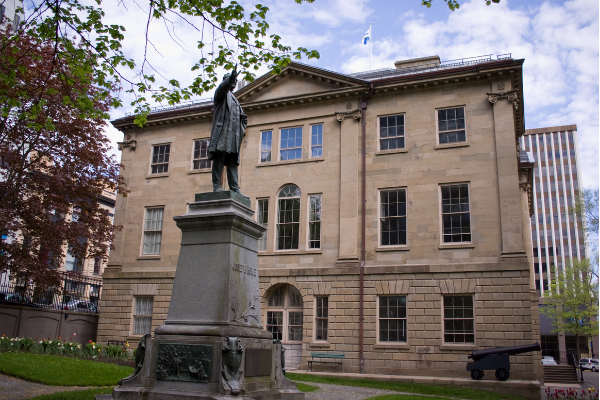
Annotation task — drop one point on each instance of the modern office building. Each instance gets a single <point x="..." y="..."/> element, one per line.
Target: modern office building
<point x="12" y="11"/>
<point x="557" y="236"/>
<point x="403" y="184"/>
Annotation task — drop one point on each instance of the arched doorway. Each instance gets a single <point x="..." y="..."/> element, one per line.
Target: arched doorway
<point x="285" y="312"/>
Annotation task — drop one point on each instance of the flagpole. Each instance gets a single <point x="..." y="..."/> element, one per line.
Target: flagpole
<point x="371" y="54"/>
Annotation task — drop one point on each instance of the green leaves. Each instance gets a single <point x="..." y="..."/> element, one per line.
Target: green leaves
<point x="242" y="38"/>
<point x="453" y="5"/>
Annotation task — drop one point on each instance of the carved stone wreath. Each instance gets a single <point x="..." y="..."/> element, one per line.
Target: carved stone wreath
<point x="132" y="144"/>
<point x="511" y="96"/>
<point x="500" y="86"/>
<point x="340" y="116"/>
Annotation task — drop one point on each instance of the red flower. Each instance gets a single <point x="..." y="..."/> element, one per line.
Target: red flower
<point x="90" y="341"/>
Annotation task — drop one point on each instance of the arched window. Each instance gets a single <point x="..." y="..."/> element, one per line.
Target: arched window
<point x="288" y="217"/>
<point x="284" y="314"/>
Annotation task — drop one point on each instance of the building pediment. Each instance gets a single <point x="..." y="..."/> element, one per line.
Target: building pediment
<point x="295" y="80"/>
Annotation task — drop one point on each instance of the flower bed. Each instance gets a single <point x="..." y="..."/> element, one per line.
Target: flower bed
<point x="90" y="350"/>
<point x="571" y="394"/>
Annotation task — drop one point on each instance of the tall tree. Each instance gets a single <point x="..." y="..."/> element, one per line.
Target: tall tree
<point x="572" y="301"/>
<point x="54" y="160"/>
<point x="228" y="34"/>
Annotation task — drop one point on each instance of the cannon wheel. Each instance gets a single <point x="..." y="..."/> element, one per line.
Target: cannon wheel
<point x="477" y="374"/>
<point x="502" y="374"/>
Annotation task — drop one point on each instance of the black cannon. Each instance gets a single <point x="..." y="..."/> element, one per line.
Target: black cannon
<point x="496" y="359"/>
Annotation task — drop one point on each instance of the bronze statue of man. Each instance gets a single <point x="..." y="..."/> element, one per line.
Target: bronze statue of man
<point x="228" y="128"/>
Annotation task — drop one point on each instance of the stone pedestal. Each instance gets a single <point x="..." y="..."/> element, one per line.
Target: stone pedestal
<point x="212" y="345"/>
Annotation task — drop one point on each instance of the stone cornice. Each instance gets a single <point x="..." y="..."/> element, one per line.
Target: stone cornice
<point x="350" y="89"/>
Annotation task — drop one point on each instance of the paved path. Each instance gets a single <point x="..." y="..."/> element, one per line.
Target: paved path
<point x="16" y="389"/>
<point x="337" y="392"/>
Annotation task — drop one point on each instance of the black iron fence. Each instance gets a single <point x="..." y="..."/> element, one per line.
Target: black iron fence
<point x="77" y="293"/>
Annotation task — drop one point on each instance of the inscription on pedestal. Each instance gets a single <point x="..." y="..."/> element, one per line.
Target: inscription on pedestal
<point x="245" y="269"/>
<point x="258" y="362"/>
<point x="184" y="362"/>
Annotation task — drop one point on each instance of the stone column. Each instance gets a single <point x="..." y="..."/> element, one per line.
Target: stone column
<point x="504" y="103"/>
<point x="349" y="185"/>
<point x="525" y="186"/>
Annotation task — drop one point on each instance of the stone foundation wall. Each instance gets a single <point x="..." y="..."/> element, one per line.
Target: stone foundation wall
<point x="117" y="302"/>
<point x="504" y="314"/>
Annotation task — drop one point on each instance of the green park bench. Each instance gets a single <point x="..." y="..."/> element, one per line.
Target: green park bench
<point x="324" y="357"/>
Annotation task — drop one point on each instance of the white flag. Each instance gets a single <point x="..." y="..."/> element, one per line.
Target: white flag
<point x="367" y="36"/>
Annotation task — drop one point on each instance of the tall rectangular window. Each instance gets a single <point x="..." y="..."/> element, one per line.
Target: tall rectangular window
<point x="393" y="217"/>
<point x="142" y="315"/>
<point x="153" y="230"/>
<point x="291" y="144"/>
<point x="262" y="217"/>
<point x="97" y="264"/>
<point x="295" y="326"/>
<point x="275" y="324"/>
<point x="71" y="263"/>
<point x="266" y="138"/>
<point x="160" y="158"/>
<point x="2" y="11"/>
<point x="314" y="222"/>
<point x="458" y="319"/>
<point x="316" y="141"/>
<point x="391" y="132"/>
<point x="392" y="319"/>
<point x="288" y="223"/>
<point x="321" y="318"/>
<point x="456" y="216"/>
<point x="451" y="125"/>
<point x="201" y="160"/>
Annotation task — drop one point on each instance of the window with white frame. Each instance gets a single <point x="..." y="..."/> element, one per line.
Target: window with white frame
<point x="314" y="222"/>
<point x="321" y="318"/>
<point x="391" y="132"/>
<point x="160" y="159"/>
<point x="456" y="215"/>
<point x="153" y="231"/>
<point x="285" y="314"/>
<point x="291" y="144"/>
<point x="72" y="263"/>
<point x="142" y="314"/>
<point x="97" y="264"/>
<point x="458" y="319"/>
<point x="392" y="319"/>
<point x="393" y="217"/>
<point x="316" y="141"/>
<point x="451" y="125"/>
<point x="288" y="218"/>
<point x="266" y="139"/>
<point x="200" y="160"/>
<point x="262" y="217"/>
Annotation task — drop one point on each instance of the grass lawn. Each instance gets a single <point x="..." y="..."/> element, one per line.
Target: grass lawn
<point x="61" y="371"/>
<point x="405" y="397"/>
<point x="89" y="394"/>
<point x="417" y="388"/>
<point x="303" y="387"/>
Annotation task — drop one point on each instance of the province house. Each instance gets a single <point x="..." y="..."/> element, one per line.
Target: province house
<point x="403" y="184"/>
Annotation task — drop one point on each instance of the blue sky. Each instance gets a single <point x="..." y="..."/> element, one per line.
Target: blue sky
<point x="558" y="40"/>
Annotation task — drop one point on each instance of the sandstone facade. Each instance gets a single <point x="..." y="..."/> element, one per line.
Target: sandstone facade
<point x="492" y="267"/>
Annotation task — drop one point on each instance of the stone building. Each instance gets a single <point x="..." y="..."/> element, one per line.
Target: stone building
<point x="441" y="249"/>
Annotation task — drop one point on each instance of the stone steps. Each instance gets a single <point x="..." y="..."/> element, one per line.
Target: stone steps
<point x="560" y="374"/>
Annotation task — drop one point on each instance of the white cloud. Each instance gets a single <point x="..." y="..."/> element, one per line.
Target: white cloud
<point x="558" y="42"/>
